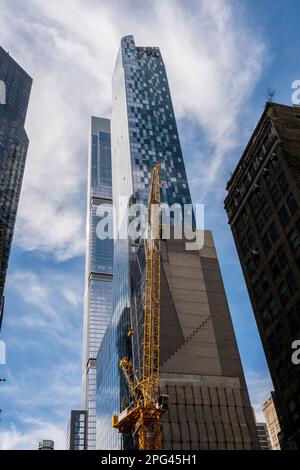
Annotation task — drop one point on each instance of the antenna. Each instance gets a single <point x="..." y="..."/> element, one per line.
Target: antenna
<point x="271" y="92"/>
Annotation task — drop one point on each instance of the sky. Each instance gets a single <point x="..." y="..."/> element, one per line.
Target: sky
<point x="221" y="57"/>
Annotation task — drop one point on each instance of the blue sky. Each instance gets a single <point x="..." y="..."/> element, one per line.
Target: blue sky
<point x="221" y="57"/>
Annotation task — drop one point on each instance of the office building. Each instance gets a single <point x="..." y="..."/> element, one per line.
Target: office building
<point x="272" y="422"/>
<point x="200" y="364"/>
<point x="46" y="444"/>
<point x="263" y="211"/>
<point x="263" y="436"/>
<point x="15" y="91"/>
<point x="76" y="435"/>
<point x="99" y="266"/>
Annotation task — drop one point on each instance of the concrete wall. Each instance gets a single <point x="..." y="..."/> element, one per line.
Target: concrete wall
<point x="200" y="364"/>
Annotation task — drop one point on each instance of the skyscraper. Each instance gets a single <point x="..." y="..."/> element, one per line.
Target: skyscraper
<point x="263" y="436"/>
<point x="200" y="364"/>
<point x="76" y="431"/>
<point x="99" y="266"/>
<point x="263" y="211"/>
<point x="272" y="422"/>
<point x="15" y="92"/>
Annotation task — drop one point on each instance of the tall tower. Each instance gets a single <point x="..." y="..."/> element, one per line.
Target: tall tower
<point x="99" y="266"/>
<point x="200" y="364"/>
<point x="76" y="430"/>
<point x="263" y="207"/>
<point x="15" y="86"/>
<point x="272" y="422"/>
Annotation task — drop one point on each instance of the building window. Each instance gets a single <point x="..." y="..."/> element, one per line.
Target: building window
<point x="283" y="182"/>
<point x="298" y="262"/>
<point x="294" y="238"/>
<point x="291" y="405"/>
<point x="258" y="290"/>
<point x="251" y="267"/>
<point x="256" y="257"/>
<point x="281" y="257"/>
<point x="268" y="173"/>
<point x="264" y="282"/>
<point x="268" y="140"/>
<point x="265" y="317"/>
<point x="294" y="416"/>
<point x="273" y="232"/>
<point x="276" y="194"/>
<point x="261" y="286"/>
<point x="281" y="371"/>
<point x="273" y="308"/>
<point x="294" y="320"/>
<point x="251" y="172"/>
<point x="275" y="269"/>
<point x="239" y="225"/>
<point x="275" y="162"/>
<point x="259" y="192"/>
<point x="273" y="345"/>
<point x="266" y="210"/>
<point x="241" y="221"/>
<point x="245" y="217"/>
<point x="260" y="221"/>
<point x="284" y="216"/>
<point x="253" y="201"/>
<point x="283" y="292"/>
<point x="266" y="243"/>
<point x="244" y="246"/>
<point x="246" y="181"/>
<point x="280" y="333"/>
<point x="251" y="237"/>
<point x="292" y="203"/>
<point x="291" y="282"/>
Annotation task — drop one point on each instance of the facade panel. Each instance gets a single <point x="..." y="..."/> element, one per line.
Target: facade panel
<point x="16" y="86"/>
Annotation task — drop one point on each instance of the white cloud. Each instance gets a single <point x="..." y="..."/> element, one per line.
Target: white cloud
<point x="69" y="47"/>
<point x="42" y="399"/>
<point x="47" y="295"/>
<point x="260" y="386"/>
<point x="14" y="439"/>
<point x="43" y="371"/>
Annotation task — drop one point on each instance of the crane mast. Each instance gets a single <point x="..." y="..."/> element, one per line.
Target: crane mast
<point x="143" y="417"/>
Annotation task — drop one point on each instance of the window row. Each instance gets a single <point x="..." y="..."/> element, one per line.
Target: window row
<point x="257" y="158"/>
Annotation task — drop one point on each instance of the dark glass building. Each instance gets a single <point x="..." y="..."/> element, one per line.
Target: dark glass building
<point x="15" y="91"/>
<point x="99" y="267"/>
<point x="263" y="211"/>
<point x="200" y="364"/>
<point x="263" y="436"/>
<point x="76" y="435"/>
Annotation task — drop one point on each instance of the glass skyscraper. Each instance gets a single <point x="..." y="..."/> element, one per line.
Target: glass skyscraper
<point x="198" y="349"/>
<point x="144" y="131"/>
<point x="99" y="266"/>
<point x="15" y="92"/>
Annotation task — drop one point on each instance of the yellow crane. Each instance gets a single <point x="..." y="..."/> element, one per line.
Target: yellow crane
<point x="142" y="418"/>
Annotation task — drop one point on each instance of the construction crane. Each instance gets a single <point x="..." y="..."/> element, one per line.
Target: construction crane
<point x="142" y="417"/>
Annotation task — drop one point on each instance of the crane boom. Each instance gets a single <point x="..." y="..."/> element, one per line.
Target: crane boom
<point x="143" y="418"/>
<point x="150" y="375"/>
